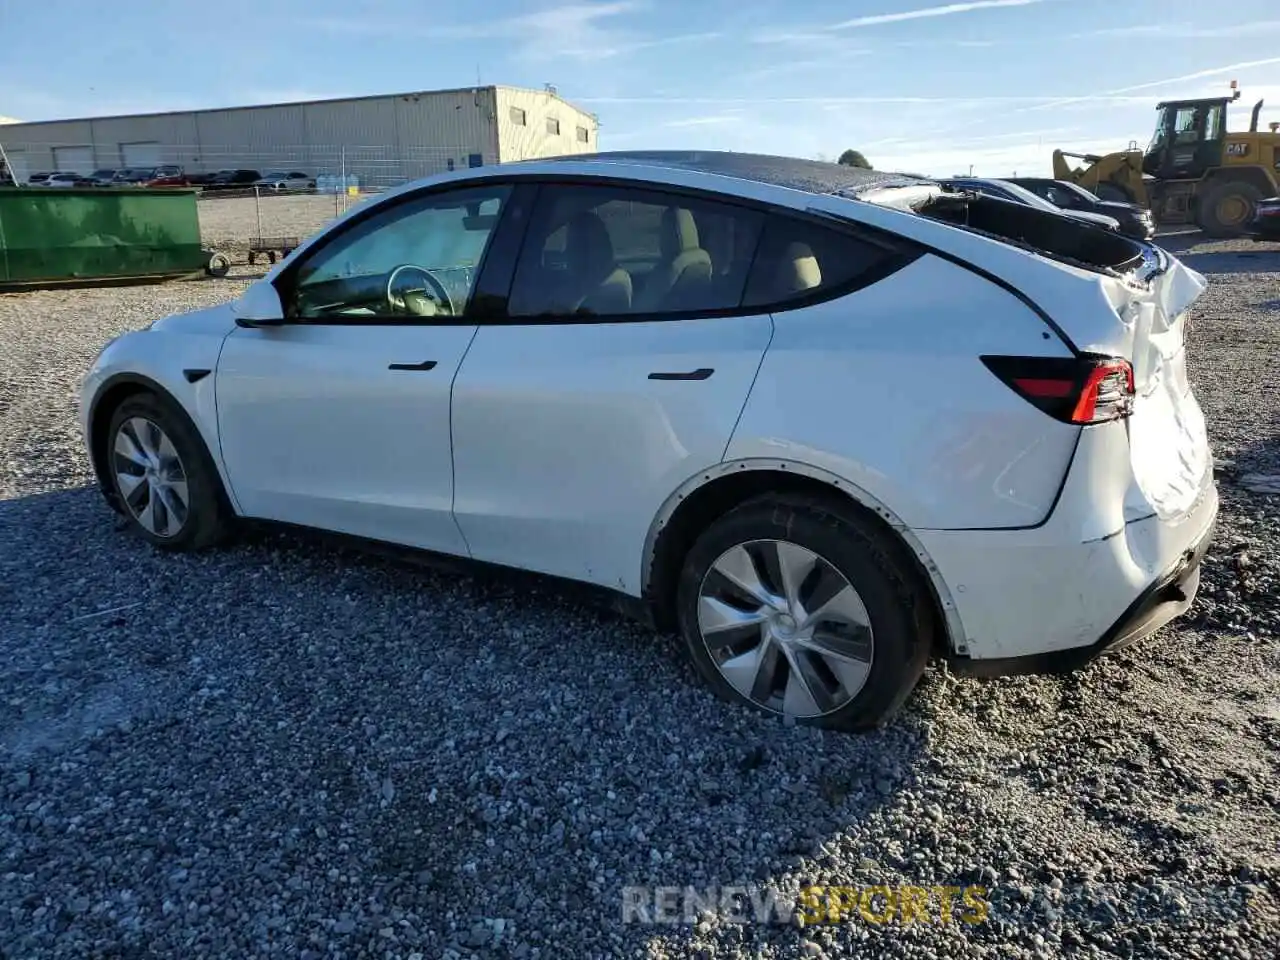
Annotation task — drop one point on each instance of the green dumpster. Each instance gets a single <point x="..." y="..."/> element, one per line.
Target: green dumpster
<point x="54" y="235"/>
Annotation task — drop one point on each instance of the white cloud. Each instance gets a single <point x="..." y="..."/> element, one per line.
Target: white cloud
<point x="1199" y="74"/>
<point x="577" y="31"/>
<point x="1183" y="30"/>
<point x="946" y="10"/>
<point x="707" y="121"/>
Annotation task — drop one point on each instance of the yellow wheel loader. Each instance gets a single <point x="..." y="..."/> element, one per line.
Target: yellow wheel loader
<point x="1193" y="171"/>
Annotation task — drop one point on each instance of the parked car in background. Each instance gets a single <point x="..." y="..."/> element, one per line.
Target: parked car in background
<point x="203" y="179"/>
<point x="233" y="180"/>
<point x="1004" y="190"/>
<point x="1135" y="221"/>
<point x="68" y="180"/>
<point x="1266" y="220"/>
<point x="282" y="182"/>
<point x="825" y="422"/>
<point x="104" y="177"/>
<point x="168" y="175"/>
<point x="38" y="178"/>
<point x="130" y="176"/>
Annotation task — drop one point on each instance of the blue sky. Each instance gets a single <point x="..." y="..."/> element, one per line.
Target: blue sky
<point x="922" y="85"/>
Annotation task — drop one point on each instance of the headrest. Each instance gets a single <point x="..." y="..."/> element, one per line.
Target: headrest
<point x="679" y="232"/>
<point x="798" y="269"/>
<point x="588" y="247"/>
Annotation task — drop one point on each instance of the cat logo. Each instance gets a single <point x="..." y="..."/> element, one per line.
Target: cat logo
<point x="1237" y="149"/>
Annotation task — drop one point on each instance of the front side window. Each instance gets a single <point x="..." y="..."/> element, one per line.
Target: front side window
<point x="418" y="259"/>
<point x="799" y="261"/>
<point x="1187" y="125"/>
<point x="618" y="251"/>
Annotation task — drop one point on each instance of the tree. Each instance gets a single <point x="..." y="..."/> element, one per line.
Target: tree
<point x="852" y="158"/>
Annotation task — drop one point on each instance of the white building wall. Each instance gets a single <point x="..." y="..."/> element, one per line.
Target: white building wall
<point x="35" y="141"/>
<point x="381" y="140"/>
<point x="524" y="131"/>
<point x="173" y="134"/>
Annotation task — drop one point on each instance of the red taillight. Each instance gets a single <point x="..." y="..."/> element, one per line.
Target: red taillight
<point x="1082" y="390"/>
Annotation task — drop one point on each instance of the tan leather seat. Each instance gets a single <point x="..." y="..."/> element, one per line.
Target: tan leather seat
<point x="596" y="283"/>
<point x="798" y="271"/>
<point x="681" y="278"/>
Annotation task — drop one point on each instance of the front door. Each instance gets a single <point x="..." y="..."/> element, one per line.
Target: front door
<point x="617" y="374"/>
<point x="339" y="418"/>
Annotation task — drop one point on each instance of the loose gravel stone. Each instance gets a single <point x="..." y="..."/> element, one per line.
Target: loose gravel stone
<point x="284" y="749"/>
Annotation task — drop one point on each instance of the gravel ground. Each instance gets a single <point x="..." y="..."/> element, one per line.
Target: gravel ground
<point x="227" y="223"/>
<point x="281" y="750"/>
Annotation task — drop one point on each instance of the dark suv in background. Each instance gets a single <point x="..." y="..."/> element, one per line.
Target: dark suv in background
<point x="1135" y="221"/>
<point x="233" y="180"/>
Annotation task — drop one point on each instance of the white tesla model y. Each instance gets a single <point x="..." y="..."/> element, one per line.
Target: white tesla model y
<point x="824" y="422"/>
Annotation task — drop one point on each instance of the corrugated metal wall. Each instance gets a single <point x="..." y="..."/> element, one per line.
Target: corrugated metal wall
<point x="526" y="130"/>
<point x="381" y="140"/>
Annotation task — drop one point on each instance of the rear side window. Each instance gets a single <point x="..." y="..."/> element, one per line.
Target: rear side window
<point x="620" y="251"/>
<point x="800" y="262"/>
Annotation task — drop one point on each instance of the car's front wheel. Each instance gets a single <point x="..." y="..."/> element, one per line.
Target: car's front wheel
<point x="163" y="477"/>
<point x="805" y="610"/>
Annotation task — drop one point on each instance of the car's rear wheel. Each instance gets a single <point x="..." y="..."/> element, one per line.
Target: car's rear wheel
<point x="163" y="477"/>
<point x="804" y="610"/>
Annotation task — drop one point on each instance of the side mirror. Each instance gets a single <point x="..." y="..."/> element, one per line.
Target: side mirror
<point x="258" y="306"/>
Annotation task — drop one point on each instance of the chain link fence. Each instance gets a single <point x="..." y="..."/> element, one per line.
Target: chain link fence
<point x="254" y="199"/>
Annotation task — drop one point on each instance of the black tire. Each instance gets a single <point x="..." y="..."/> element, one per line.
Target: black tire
<point x="219" y="265"/>
<point x="895" y="601"/>
<point x="1210" y="213"/>
<point x="208" y="518"/>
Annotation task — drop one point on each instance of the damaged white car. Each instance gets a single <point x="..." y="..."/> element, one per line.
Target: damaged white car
<point x="827" y="423"/>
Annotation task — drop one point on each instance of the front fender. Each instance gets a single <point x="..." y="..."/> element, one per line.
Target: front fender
<point x="179" y="365"/>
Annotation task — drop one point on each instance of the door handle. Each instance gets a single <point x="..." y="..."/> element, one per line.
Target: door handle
<point x="700" y="374"/>
<point x="424" y="365"/>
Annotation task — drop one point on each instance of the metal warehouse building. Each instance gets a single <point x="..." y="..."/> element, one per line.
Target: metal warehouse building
<point x="380" y="140"/>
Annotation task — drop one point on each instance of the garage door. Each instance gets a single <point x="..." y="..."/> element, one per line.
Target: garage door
<point x="141" y="154"/>
<point x="73" y="159"/>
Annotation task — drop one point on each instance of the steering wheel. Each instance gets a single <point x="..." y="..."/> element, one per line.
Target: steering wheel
<point x="432" y="289"/>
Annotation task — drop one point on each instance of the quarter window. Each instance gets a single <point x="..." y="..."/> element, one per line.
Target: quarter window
<point x="799" y="261"/>
<point x="615" y="251"/>
<point x="416" y="260"/>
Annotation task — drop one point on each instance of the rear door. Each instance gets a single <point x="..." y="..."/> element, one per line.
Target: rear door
<point x="577" y="414"/>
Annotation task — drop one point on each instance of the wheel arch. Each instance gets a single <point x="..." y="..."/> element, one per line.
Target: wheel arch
<point x="712" y="493"/>
<point x="114" y="391"/>
<point x="1255" y="176"/>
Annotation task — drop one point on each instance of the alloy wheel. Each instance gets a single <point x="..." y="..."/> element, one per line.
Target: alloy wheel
<point x="785" y="628"/>
<point x="151" y="477"/>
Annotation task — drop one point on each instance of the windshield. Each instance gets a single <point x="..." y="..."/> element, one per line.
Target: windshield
<point x="1024" y="195"/>
<point x="275" y="175"/>
<point x="1162" y="130"/>
<point x="1007" y="191"/>
<point x="1075" y="188"/>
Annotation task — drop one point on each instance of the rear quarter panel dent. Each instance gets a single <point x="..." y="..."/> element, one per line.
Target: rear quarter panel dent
<point x="885" y="389"/>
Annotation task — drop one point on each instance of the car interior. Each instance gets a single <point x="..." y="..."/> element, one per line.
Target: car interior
<point x="628" y="257"/>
